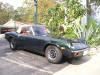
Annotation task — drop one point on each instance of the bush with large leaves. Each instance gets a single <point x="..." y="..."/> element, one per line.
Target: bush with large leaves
<point x="93" y="32"/>
<point x="55" y="19"/>
<point x="65" y="14"/>
<point x="89" y="32"/>
<point x="71" y="13"/>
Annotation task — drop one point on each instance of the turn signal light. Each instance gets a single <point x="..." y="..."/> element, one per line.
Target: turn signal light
<point x="63" y="48"/>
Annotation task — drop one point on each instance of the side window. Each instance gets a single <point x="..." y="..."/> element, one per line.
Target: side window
<point x="39" y="30"/>
<point x="26" y="31"/>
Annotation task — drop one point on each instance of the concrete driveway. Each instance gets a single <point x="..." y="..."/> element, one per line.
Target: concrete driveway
<point x="25" y="62"/>
<point x="91" y="67"/>
<point x="29" y="63"/>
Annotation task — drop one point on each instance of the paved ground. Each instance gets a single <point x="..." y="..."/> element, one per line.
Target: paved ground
<point x="27" y="63"/>
<point x="91" y="67"/>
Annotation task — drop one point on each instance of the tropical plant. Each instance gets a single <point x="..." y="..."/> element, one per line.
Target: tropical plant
<point x="89" y="32"/>
<point x="93" y="33"/>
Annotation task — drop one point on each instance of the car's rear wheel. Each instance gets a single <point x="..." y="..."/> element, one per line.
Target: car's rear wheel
<point x="13" y="45"/>
<point x="53" y="54"/>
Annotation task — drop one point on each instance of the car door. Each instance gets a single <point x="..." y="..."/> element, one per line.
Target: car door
<point x="29" y="41"/>
<point x="38" y="42"/>
<point x="32" y="41"/>
<point x="24" y="38"/>
<point x="21" y="41"/>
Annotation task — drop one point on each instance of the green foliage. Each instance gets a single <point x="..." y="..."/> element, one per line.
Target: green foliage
<point x="70" y="33"/>
<point x="6" y="11"/>
<point x="26" y="13"/>
<point x="78" y="28"/>
<point x="89" y="32"/>
<point x="19" y="14"/>
<point x="43" y="7"/>
<point x="55" y="19"/>
<point x="93" y="33"/>
<point x="74" y="9"/>
<point x="66" y="14"/>
<point x="71" y="13"/>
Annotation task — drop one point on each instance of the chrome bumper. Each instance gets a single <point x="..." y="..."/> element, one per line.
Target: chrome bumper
<point x="80" y="53"/>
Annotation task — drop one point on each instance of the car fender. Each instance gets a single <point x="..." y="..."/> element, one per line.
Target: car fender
<point x="65" y="52"/>
<point x="10" y="35"/>
<point x="58" y="45"/>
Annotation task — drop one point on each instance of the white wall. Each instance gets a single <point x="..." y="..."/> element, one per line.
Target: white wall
<point x="96" y="12"/>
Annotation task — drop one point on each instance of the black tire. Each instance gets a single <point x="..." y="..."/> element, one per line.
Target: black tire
<point x="13" y="45"/>
<point x="53" y="54"/>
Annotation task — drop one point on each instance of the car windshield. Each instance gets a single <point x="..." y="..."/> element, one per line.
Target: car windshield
<point x="39" y="30"/>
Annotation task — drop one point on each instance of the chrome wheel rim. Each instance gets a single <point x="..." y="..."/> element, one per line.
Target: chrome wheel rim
<point x="52" y="54"/>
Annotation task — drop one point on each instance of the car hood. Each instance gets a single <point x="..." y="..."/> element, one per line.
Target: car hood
<point x="79" y="46"/>
<point x="71" y="43"/>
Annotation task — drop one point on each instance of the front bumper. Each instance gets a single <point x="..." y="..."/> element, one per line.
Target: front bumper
<point x="78" y="53"/>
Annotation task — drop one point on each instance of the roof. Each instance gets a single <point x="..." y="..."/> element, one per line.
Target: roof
<point x="15" y="24"/>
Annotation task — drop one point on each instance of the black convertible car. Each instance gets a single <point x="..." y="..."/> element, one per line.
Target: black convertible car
<point x="35" y="38"/>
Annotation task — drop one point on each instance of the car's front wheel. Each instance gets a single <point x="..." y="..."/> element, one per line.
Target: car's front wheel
<point x="53" y="54"/>
<point x="13" y="45"/>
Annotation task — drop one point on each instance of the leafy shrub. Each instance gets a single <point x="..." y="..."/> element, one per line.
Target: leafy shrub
<point x="65" y="14"/>
<point x="89" y="32"/>
<point x="71" y="13"/>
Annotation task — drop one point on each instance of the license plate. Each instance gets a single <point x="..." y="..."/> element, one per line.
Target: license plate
<point x="85" y="53"/>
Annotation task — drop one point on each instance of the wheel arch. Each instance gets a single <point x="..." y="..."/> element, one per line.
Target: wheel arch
<point x="49" y="45"/>
<point x="10" y="37"/>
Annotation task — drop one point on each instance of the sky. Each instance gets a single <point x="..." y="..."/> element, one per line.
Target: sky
<point x="14" y="3"/>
